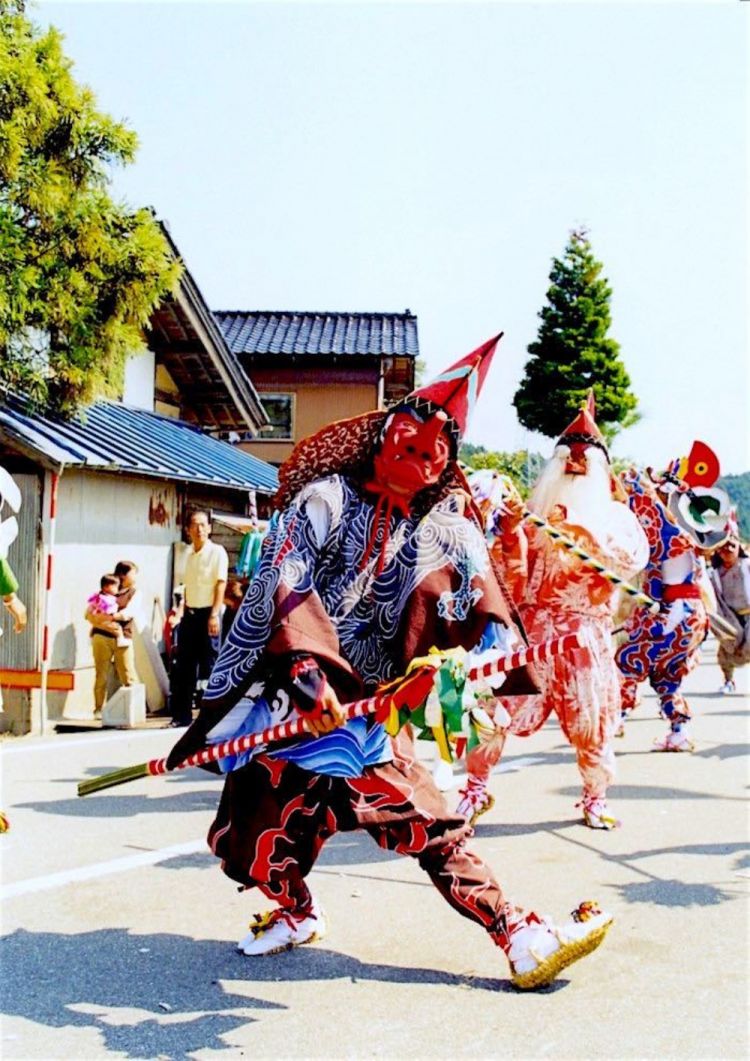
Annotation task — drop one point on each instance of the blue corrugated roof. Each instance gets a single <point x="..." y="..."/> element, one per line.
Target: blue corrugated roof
<point x="376" y="334"/>
<point x="119" y="438"/>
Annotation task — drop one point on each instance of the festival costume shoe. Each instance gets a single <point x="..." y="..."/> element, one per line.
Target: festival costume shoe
<point x="596" y="813"/>
<point x="475" y="800"/>
<point x="620" y="731"/>
<point x="442" y="775"/>
<point x="280" y="930"/>
<point x="675" y="741"/>
<point x="728" y="688"/>
<point x="539" y="949"/>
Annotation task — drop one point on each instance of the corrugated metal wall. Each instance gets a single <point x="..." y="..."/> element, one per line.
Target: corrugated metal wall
<point x="21" y="651"/>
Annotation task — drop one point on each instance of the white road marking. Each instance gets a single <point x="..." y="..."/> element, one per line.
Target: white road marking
<point x="60" y="742"/>
<point x="100" y="869"/>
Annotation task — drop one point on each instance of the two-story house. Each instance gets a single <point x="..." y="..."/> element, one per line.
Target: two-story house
<point x="312" y="368"/>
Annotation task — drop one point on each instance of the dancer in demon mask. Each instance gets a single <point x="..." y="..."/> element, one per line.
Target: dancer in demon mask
<point x="374" y="560"/>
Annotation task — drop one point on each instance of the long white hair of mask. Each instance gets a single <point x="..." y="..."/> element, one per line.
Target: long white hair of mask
<point x="587" y="498"/>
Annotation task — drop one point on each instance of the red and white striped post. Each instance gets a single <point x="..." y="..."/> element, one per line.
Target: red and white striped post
<point x="49" y="564"/>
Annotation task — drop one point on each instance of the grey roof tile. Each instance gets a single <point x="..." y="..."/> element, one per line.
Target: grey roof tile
<point x="291" y="333"/>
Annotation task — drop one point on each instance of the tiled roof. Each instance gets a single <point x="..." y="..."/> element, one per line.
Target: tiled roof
<point x="374" y="334"/>
<point x="118" y="438"/>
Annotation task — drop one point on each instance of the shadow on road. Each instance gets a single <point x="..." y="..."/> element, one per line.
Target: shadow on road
<point x="656" y="792"/>
<point x="723" y="751"/>
<point x="669" y="892"/>
<point x="164" y="995"/>
<point x="108" y="805"/>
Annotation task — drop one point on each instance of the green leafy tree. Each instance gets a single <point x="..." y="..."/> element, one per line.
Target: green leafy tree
<point x="521" y="466"/>
<point x="572" y="351"/>
<point x="79" y="272"/>
<point x="738" y="488"/>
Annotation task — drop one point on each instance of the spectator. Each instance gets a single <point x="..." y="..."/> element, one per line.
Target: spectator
<point x="11" y="600"/>
<point x="171" y="632"/>
<point x="730" y="574"/>
<point x="105" y="600"/>
<point x="233" y="595"/>
<point x="17" y="609"/>
<point x="112" y="634"/>
<point x="200" y="629"/>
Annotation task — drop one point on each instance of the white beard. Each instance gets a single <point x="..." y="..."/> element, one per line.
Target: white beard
<point x="587" y="498"/>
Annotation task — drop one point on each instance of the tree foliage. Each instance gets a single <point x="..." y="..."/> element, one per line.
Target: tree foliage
<point x="79" y="272"/>
<point x="521" y="466"/>
<point x="738" y="488"/>
<point x="572" y="351"/>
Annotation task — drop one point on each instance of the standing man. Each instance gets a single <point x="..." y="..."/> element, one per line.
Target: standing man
<point x="205" y="580"/>
<point x="112" y="635"/>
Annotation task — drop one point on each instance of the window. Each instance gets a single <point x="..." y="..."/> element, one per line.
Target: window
<point x="279" y="409"/>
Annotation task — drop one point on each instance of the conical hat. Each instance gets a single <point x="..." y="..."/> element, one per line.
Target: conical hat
<point x="584" y="429"/>
<point x="346" y="446"/>
<point x="457" y="388"/>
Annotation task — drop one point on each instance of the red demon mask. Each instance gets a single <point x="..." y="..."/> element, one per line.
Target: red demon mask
<point x="413" y="454"/>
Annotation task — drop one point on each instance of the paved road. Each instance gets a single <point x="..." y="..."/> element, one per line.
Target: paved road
<point x="117" y="926"/>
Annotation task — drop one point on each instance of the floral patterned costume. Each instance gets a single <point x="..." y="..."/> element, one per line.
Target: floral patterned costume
<point x="663" y="647"/>
<point x="582" y="688"/>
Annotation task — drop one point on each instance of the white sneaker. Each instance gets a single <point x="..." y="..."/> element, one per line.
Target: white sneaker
<point x="475" y="799"/>
<point x="674" y="742"/>
<point x="728" y="687"/>
<point x="280" y="930"/>
<point x="596" y="814"/>
<point x="539" y="949"/>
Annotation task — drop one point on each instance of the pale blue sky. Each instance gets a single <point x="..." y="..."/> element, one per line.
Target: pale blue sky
<point x="374" y="157"/>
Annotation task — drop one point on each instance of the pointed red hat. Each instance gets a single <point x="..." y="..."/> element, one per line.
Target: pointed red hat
<point x="456" y="390"/>
<point x="583" y="429"/>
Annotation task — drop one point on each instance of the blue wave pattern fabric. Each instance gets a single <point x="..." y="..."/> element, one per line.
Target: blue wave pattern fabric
<point x="312" y="559"/>
<point x="343" y="753"/>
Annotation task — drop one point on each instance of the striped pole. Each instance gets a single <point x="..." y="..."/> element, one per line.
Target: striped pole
<point x="357" y="709"/>
<point x="49" y="560"/>
<point x="540" y="653"/>
<point x="570" y="545"/>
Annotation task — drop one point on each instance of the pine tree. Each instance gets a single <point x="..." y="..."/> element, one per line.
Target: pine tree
<point x="572" y="351"/>
<point x="79" y="272"/>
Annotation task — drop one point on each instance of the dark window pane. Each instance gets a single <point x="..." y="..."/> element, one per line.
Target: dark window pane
<point x="279" y="411"/>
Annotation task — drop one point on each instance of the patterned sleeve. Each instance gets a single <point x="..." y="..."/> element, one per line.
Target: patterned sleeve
<point x="8" y="581"/>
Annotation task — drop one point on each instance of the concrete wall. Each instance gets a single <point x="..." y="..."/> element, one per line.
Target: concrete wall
<point x="100" y="519"/>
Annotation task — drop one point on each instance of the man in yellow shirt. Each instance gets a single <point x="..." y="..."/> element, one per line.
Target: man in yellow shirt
<point x="200" y="628"/>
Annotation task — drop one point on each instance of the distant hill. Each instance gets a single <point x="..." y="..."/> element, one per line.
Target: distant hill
<point x="738" y="488"/>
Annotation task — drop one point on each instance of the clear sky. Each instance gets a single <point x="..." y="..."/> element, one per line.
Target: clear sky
<point x="435" y="156"/>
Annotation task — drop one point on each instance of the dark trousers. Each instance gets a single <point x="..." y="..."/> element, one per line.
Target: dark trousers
<point x="196" y="655"/>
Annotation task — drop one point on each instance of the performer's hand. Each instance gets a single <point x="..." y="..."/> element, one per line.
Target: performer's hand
<point x="17" y="609"/>
<point x="214" y="626"/>
<point x="513" y="503"/>
<point x="330" y="717"/>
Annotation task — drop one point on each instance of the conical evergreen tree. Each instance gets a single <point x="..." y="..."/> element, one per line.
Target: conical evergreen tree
<point x="572" y="351"/>
<point x="79" y="272"/>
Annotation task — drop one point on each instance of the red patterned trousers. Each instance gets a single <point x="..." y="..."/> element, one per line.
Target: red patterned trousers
<point x="274" y="818"/>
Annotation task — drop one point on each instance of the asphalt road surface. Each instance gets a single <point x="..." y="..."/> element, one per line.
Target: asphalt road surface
<point x="118" y="927"/>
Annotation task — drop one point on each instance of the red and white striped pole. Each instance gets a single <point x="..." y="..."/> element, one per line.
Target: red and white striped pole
<point x="49" y="563"/>
<point x="539" y="653"/>
<point x="416" y="685"/>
